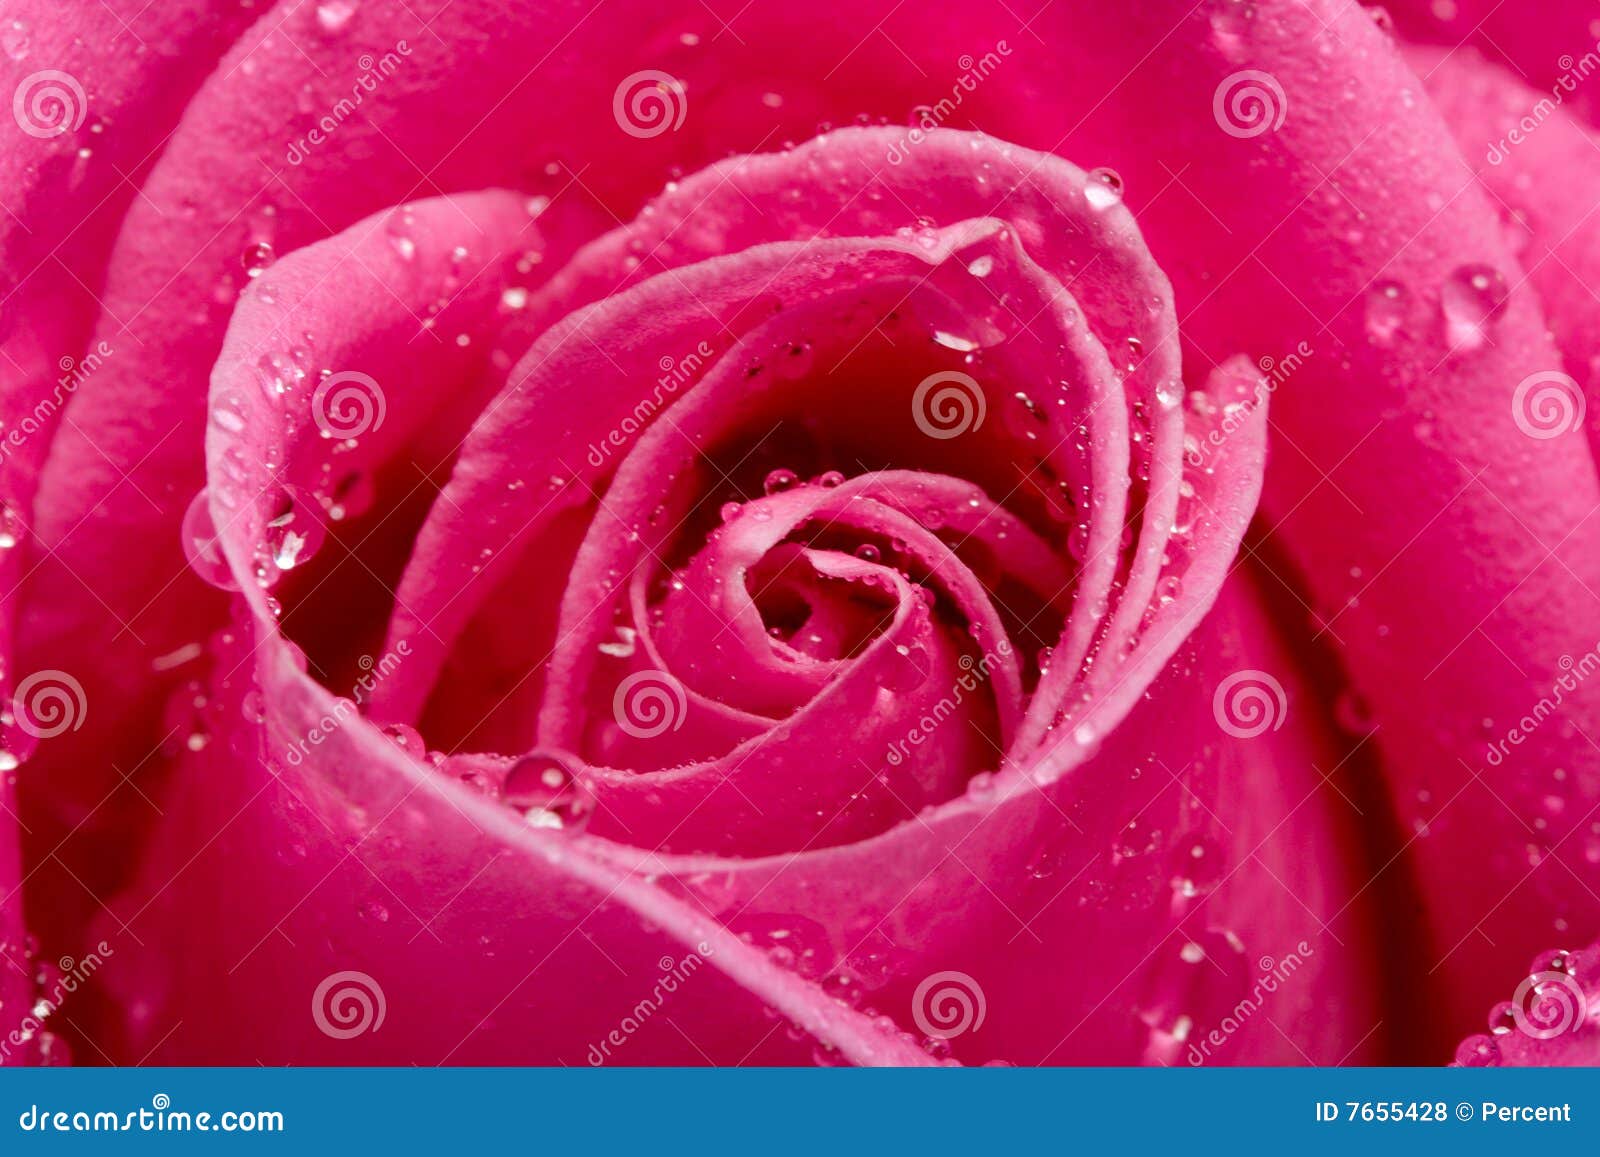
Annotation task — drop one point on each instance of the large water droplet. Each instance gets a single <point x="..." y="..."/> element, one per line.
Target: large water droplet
<point x="546" y="787"/>
<point x="294" y="531"/>
<point x="256" y="258"/>
<point x="1104" y="189"/>
<point x="1472" y="298"/>
<point x="202" y="547"/>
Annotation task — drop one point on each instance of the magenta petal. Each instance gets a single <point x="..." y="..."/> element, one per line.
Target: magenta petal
<point x="1402" y="326"/>
<point x="330" y="803"/>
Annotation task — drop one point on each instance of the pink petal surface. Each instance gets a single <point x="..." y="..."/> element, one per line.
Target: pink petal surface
<point x="928" y="875"/>
<point x="533" y="541"/>
<point x="1453" y="498"/>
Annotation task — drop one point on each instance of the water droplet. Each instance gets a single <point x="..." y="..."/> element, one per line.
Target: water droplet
<point x="1472" y="298"/>
<point x="407" y="738"/>
<point x="256" y="258"/>
<point x="333" y="15"/>
<point x="398" y="227"/>
<point x="352" y="496"/>
<point x="1386" y="308"/>
<point x="981" y="266"/>
<point x="954" y="341"/>
<point x="10" y="527"/>
<point x="294" y="531"/>
<point x="202" y="547"/>
<point x="546" y="788"/>
<point x="780" y="480"/>
<point x="15" y="40"/>
<point x="1104" y="189"/>
<point x="906" y="668"/>
<point x="866" y="552"/>
<point x="1478" y="1052"/>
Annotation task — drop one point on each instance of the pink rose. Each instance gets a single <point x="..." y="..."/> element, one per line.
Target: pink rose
<point x="538" y="535"/>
